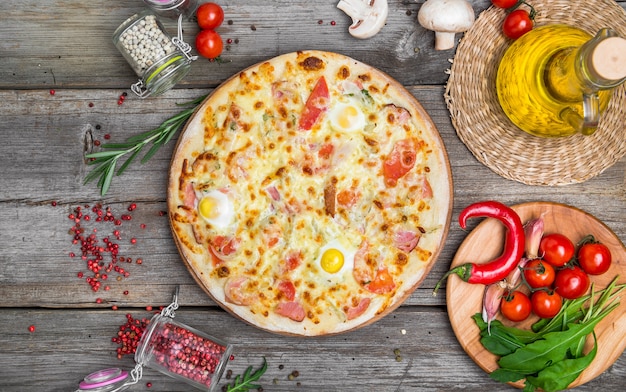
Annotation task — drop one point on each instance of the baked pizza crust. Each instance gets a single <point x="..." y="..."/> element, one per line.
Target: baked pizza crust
<point x="199" y="136"/>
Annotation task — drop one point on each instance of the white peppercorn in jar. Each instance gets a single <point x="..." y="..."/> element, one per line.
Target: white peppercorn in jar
<point x="173" y="8"/>
<point x="152" y="54"/>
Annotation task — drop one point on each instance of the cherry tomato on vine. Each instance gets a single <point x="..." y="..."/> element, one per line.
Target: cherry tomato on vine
<point x="539" y="273"/>
<point x="209" y="44"/>
<point x="594" y="258"/>
<point x="517" y="23"/>
<point x="504" y="3"/>
<point x="556" y="249"/>
<point x="210" y="16"/>
<point x="546" y="304"/>
<point x="515" y="306"/>
<point x="571" y="283"/>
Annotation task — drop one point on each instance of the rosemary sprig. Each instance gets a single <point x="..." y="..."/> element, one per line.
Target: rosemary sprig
<point x="106" y="160"/>
<point x="246" y="382"/>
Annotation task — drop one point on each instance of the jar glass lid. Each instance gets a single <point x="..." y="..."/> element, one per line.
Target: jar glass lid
<point x="106" y="380"/>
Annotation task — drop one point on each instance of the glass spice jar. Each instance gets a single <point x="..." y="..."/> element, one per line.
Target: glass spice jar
<point x="152" y="54"/>
<point x="173" y="8"/>
<point x="183" y="353"/>
<point x="106" y="380"/>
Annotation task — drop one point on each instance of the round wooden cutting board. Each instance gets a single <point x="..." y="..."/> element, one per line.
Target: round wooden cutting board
<point x="485" y="243"/>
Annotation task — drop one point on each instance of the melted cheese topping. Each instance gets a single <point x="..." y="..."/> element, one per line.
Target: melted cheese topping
<point x="296" y="194"/>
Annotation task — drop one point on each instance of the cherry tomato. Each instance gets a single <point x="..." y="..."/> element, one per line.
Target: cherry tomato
<point x="209" y="44"/>
<point x="546" y="304"/>
<point x="556" y="249"/>
<point x="517" y="23"/>
<point x="539" y="273"/>
<point x="504" y="3"/>
<point x="400" y="161"/>
<point x="594" y="258"/>
<point x="210" y="16"/>
<point x="515" y="306"/>
<point x="316" y="104"/>
<point x="571" y="283"/>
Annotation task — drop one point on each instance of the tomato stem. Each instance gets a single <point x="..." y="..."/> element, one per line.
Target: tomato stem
<point x="531" y="13"/>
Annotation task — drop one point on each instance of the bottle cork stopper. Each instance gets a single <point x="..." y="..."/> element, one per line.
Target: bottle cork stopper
<point x="609" y="58"/>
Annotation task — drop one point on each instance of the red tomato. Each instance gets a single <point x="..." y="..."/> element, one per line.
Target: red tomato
<point x="517" y="23"/>
<point x="382" y="283"/>
<point x="400" y="160"/>
<point x="209" y="44"/>
<point x="546" y="304"/>
<point x="504" y="3"/>
<point x="539" y="273"/>
<point x="515" y="306"/>
<point x="210" y="16"/>
<point x="571" y="283"/>
<point x="316" y="104"/>
<point x="556" y="249"/>
<point x="594" y="258"/>
<point x="288" y="289"/>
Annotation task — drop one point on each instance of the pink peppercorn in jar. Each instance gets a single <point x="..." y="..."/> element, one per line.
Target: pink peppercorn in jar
<point x="183" y="353"/>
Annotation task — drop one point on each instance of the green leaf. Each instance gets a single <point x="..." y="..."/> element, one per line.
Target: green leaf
<point x="150" y="153"/>
<point x="246" y="382"/>
<point x="505" y="376"/>
<point x="560" y="375"/>
<point x="536" y="356"/>
<point x="106" y="178"/>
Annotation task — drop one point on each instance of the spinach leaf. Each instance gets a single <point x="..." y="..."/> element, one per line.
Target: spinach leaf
<point x="561" y="374"/>
<point x="554" y="346"/>
<point x="503" y="375"/>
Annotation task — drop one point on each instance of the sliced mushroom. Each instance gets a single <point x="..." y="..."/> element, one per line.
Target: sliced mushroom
<point x="368" y="16"/>
<point x="446" y="18"/>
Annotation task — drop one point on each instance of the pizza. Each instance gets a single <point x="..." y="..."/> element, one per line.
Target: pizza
<point x="309" y="194"/>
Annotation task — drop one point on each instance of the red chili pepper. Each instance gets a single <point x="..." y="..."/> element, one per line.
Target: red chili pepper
<point x="497" y="269"/>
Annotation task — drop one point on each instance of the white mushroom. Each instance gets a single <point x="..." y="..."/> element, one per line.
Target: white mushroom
<point x="368" y="16"/>
<point x="446" y="18"/>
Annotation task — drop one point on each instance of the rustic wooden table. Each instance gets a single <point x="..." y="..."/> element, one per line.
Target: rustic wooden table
<point x="60" y="82"/>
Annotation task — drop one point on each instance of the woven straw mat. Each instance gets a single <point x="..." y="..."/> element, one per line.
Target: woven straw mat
<point x="494" y="140"/>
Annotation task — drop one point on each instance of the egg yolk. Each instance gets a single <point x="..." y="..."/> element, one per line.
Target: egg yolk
<point x="209" y="208"/>
<point x="332" y="261"/>
<point x="347" y="117"/>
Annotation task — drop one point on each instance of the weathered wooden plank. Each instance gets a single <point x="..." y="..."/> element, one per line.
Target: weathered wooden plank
<point x="40" y="52"/>
<point x="363" y="360"/>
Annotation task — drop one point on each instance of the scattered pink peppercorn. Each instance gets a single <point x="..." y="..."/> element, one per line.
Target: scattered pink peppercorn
<point x="133" y="241"/>
<point x="148" y="385"/>
<point x="52" y="92"/>
<point x="53" y="203"/>
<point x="31" y="328"/>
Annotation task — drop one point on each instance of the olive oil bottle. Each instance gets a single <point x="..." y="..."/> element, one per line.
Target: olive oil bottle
<point x="556" y="80"/>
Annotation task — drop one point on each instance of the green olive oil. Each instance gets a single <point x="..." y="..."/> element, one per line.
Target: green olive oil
<point x="535" y="80"/>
